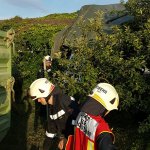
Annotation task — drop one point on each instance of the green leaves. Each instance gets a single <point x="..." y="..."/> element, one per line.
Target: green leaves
<point x="116" y="58"/>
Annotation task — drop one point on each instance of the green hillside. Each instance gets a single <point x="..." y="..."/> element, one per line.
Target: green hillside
<point x="52" y="19"/>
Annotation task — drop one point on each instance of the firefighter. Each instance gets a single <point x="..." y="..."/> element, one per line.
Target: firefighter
<point x="91" y="130"/>
<point x="45" y="69"/>
<point x="61" y="109"/>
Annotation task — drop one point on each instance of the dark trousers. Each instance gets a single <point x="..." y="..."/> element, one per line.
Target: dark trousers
<point x="50" y="144"/>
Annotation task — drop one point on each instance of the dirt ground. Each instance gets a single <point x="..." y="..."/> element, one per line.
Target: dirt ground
<point x="25" y="132"/>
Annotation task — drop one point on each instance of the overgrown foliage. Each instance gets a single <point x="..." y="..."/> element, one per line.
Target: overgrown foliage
<point x="140" y="10"/>
<point x="117" y="58"/>
<point x="33" y="40"/>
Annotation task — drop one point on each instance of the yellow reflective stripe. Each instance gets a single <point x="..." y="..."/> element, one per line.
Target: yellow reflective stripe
<point x="113" y="136"/>
<point x="99" y="99"/>
<point x="90" y="145"/>
<point x="114" y="139"/>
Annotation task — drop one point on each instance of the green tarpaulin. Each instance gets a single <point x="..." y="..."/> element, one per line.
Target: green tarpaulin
<point x="111" y="17"/>
<point x="6" y="43"/>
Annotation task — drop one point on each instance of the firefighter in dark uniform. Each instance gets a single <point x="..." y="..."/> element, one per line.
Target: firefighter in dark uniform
<point x="45" y="70"/>
<point x="61" y="110"/>
<point x="92" y="131"/>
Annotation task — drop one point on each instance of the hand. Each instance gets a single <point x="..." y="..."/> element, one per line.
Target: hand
<point x="62" y="143"/>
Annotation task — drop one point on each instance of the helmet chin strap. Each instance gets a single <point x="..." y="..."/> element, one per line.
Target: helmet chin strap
<point x="47" y="98"/>
<point x="106" y="113"/>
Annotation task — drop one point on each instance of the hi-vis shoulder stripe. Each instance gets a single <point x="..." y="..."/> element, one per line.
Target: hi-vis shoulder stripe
<point x="57" y="115"/>
<point x="50" y="135"/>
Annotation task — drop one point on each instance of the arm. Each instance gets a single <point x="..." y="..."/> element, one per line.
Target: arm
<point x="40" y="73"/>
<point x="104" y="142"/>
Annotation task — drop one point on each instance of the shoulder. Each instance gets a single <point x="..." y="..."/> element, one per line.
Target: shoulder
<point x="104" y="135"/>
<point x="104" y="130"/>
<point x="103" y="126"/>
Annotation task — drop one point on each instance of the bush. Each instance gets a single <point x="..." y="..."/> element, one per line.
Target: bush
<point x="116" y="58"/>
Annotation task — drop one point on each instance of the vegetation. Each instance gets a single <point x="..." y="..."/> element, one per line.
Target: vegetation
<point x="33" y="39"/>
<point x="116" y="58"/>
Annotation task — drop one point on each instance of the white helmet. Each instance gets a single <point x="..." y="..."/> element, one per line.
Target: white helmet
<point x="40" y="88"/>
<point x="106" y="94"/>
